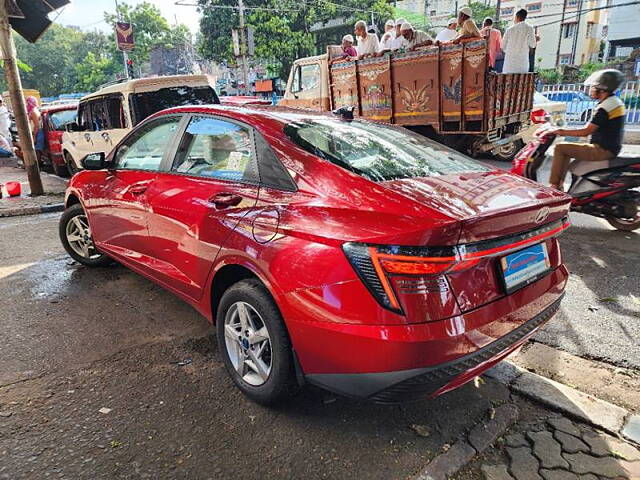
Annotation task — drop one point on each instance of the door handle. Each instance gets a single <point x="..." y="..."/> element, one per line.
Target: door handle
<point x="138" y="189"/>
<point x="225" y="199"/>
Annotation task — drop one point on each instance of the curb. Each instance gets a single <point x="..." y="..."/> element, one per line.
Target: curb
<point x="569" y="401"/>
<point x="20" y="211"/>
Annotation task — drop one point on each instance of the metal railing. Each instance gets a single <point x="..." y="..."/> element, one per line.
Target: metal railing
<point x="580" y="106"/>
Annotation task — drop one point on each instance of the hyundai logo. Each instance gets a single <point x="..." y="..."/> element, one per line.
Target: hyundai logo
<point x="542" y="215"/>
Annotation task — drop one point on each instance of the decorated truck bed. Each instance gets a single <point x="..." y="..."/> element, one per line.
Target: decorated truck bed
<point x="447" y="90"/>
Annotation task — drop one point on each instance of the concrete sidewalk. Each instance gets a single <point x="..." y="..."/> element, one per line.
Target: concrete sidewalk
<point x="52" y="200"/>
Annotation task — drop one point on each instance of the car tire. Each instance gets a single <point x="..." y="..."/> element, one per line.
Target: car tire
<point x="60" y="170"/>
<point x="73" y="224"/>
<point x="508" y="151"/>
<point x="71" y="164"/>
<point x="249" y="326"/>
<point x="46" y="165"/>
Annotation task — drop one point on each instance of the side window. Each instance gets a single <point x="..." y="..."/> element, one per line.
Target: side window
<point x="84" y="117"/>
<point x="145" y="148"/>
<point x="309" y="76"/>
<point x="98" y="115"/>
<point x="272" y="172"/>
<point x="218" y="149"/>
<point x="114" y="112"/>
<point x="306" y="77"/>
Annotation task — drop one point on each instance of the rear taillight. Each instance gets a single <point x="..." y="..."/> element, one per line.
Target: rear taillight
<point x="539" y="115"/>
<point x="378" y="265"/>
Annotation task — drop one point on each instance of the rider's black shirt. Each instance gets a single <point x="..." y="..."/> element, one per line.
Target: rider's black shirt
<point x="609" y="117"/>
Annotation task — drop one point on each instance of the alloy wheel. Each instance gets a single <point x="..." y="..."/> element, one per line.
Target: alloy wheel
<point x="79" y="237"/>
<point x="248" y="343"/>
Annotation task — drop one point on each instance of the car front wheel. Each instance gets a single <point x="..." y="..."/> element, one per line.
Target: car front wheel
<point x="254" y="343"/>
<point x="71" y="164"/>
<point x="75" y="235"/>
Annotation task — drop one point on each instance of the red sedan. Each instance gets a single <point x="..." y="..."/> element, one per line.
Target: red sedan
<point x="359" y="257"/>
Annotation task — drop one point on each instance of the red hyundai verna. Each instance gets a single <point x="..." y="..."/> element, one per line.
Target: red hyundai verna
<point x="359" y="257"/>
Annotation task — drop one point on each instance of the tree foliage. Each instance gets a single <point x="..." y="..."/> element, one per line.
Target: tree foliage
<point x="283" y="28"/>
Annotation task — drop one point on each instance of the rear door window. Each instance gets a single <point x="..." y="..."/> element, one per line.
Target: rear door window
<point x="219" y="149"/>
<point x="114" y="112"/>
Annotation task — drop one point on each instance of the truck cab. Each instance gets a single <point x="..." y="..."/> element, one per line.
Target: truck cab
<point x="308" y="84"/>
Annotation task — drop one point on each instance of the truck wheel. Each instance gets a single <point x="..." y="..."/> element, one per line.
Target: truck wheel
<point x="508" y="151"/>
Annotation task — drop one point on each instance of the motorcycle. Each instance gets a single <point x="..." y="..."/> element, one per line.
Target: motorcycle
<point x="609" y="189"/>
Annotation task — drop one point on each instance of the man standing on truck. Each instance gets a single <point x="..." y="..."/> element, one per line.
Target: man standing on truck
<point x="414" y="38"/>
<point x="389" y="36"/>
<point x="399" y="41"/>
<point x="517" y="41"/>
<point x="606" y="128"/>
<point x="368" y="44"/>
<point x="494" y="40"/>
<point x="447" y="34"/>
<point x="468" y="28"/>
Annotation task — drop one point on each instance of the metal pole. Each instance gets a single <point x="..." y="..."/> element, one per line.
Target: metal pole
<point x="17" y="102"/>
<point x="243" y="48"/>
<point x="574" y="46"/>
<point x="497" y="13"/>
<point x="125" y="57"/>
<point x="564" y="9"/>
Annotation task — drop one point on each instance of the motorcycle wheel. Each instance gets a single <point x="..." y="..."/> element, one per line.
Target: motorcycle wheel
<point x="624" y="224"/>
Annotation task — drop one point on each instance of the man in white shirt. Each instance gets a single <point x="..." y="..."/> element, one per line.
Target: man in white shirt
<point x="5" y="121"/>
<point x="368" y="44"/>
<point x="449" y="33"/>
<point x="398" y="42"/>
<point x="389" y="35"/>
<point x="414" y="38"/>
<point x="517" y="41"/>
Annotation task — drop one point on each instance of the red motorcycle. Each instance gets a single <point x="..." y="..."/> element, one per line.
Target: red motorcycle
<point x="608" y="189"/>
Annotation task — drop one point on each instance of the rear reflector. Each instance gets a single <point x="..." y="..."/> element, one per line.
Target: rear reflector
<point x="376" y="264"/>
<point x="538" y="116"/>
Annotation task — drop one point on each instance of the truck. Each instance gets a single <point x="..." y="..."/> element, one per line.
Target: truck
<point x="444" y="92"/>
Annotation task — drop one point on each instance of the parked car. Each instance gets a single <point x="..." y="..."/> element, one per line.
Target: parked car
<point x="55" y="119"/>
<point x="359" y="257"/>
<point x="544" y="110"/>
<point x="580" y="106"/>
<point x="106" y="116"/>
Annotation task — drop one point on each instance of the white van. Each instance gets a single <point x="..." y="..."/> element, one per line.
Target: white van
<point x="106" y="116"/>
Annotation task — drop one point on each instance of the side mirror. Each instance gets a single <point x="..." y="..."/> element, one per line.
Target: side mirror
<point x="94" y="161"/>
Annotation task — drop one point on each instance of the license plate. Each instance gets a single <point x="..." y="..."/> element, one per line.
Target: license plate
<point x="524" y="266"/>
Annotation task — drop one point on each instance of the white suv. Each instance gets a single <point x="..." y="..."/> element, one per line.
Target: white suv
<point x="106" y="116"/>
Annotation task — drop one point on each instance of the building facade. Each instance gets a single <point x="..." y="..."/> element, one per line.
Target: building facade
<point x="623" y="32"/>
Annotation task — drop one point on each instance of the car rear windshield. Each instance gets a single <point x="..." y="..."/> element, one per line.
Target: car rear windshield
<point x="62" y="118"/>
<point x="148" y="103"/>
<point x="378" y="152"/>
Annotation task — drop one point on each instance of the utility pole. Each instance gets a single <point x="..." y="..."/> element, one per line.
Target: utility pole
<point x="18" y="103"/>
<point x="564" y="9"/>
<point x="497" y="22"/>
<point x="574" y="46"/>
<point x="243" y="47"/>
<point x="125" y="57"/>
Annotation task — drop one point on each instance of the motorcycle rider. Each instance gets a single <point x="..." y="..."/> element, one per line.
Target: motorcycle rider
<point x="606" y="127"/>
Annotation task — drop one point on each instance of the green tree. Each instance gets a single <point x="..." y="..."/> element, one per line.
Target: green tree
<point x="93" y="71"/>
<point x="481" y="11"/>
<point x="282" y="27"/>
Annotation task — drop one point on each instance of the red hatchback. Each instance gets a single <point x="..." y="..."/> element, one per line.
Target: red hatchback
<point x="359" y="257"/>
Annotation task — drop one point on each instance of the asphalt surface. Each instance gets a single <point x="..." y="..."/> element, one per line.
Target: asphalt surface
<point x="78" y="340"/>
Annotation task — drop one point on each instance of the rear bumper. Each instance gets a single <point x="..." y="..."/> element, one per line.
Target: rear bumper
<point x="416" y="384"/>
<point x="393" y="363"/>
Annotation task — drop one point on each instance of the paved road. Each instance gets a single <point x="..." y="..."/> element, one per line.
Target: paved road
<point x="76" y="340"/>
